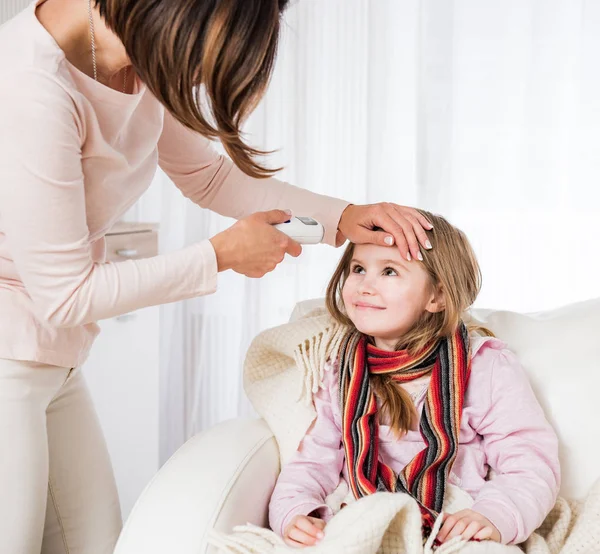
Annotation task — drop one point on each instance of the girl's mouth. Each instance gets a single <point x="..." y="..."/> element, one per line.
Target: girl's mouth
<point x="367" y="306"/>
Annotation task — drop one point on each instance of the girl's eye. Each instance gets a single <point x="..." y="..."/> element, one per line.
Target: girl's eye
<point x="388" y="271"/>
<point x="357" y="269"/>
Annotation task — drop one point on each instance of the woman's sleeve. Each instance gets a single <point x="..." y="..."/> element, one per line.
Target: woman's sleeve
<point x="522" y="449"/>
<point x="314" y="471"/>
<point x="44" y="220"/>
<point x="214" y="182"/>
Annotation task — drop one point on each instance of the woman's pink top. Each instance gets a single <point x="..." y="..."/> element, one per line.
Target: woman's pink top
<point x="75" y="155"/>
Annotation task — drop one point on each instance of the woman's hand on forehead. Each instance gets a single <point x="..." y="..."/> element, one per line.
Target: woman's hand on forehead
<point x="387" y="224"/>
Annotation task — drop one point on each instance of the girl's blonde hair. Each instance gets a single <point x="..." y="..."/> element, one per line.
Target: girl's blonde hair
<point x="452" y="268"/>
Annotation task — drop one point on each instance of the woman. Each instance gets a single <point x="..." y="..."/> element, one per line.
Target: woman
<point x="94" y="95"/>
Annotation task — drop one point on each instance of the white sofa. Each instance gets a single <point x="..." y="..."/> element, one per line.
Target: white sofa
<point x="224" y="477"/>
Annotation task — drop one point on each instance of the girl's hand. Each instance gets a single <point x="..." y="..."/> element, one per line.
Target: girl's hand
<point x="252" y="246"/>
<point x="468" y="524"/>
<point x="304" y="531"/>
<point x="402" y="226"/>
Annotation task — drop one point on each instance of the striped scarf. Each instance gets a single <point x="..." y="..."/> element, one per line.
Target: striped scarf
<point x="425" y="476"/>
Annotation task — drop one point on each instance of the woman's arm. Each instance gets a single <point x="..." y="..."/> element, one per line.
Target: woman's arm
<point x="43" y="216"/>
<point x="214" y="182"/>
<point x="314" y="471"/>
<point x="522" y="449"/>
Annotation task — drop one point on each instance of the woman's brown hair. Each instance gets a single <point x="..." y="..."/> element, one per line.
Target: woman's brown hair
<point x="223" y="50"/>
<point x="452" y="268"/>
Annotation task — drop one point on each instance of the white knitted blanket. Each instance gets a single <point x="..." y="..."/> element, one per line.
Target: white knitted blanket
<point x="283" y="369"/>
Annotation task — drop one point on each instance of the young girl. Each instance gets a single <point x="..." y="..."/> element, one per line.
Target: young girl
<point x="417" y="400"/>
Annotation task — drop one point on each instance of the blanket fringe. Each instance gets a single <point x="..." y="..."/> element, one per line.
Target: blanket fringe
<point x="251" y="539"/>
<point x="311" y="356"/>
<point x="245" y="539"/>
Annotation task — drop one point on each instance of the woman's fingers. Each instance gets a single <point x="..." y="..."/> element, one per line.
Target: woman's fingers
<point x="252" y="246"/>
<point x="388" y="220"/>
<point x="274" y="217"/>
<point x="413" y="231"/>
<point x="382" y="238"/>
<point x="423" y="221"/>
<point x="292" y="247"/>
<point x="405" y="227"/>
<point x="418" y="223"/>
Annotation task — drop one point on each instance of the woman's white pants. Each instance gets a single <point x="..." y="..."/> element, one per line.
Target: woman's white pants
<point x="57" y="488"/>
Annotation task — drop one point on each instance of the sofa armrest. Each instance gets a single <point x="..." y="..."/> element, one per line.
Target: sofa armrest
<point x="218" y="479"/>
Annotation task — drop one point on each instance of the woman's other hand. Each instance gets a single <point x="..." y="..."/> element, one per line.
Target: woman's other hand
<point x="252" y="246"/>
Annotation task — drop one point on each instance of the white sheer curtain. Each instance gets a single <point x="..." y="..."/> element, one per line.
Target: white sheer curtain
<point x="485" y="111"/>
<point x="10" y="8"/>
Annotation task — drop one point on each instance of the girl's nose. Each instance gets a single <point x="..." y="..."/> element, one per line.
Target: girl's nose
<point x="366" y="286"/>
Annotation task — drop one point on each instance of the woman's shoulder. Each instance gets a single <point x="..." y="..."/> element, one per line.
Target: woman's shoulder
<point x="29" y="56"/>
<point x="30" y="89"/>
<point x="42" y="109"/>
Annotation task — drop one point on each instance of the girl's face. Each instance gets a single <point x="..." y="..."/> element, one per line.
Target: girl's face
<point x="385" y="295"/>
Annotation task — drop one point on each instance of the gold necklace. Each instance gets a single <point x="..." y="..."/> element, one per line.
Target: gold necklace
<point x="93" y="40"/>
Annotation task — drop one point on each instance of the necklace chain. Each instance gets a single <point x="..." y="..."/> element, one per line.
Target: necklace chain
<point x="93" y="41"/>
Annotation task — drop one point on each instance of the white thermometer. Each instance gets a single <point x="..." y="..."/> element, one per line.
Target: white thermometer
<point x="304" y="230"/>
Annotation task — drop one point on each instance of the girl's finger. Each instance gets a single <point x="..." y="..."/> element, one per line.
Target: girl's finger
<point x="458" y="529"/>
<point x="449" y="522"/>
<point x="484" y="534"/>
<point x="317" y="522"/>
<point x="292" y="543"/>
<point x="309" y="527"/>
<point x="472" y="529"/>
<point x="300" y="536"/>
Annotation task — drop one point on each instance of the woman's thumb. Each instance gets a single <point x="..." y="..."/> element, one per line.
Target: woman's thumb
<point x="273" y="217"/>
<point x="380" y="238"/>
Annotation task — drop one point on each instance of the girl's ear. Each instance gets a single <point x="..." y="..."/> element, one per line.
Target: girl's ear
<point x="437" y="301"/>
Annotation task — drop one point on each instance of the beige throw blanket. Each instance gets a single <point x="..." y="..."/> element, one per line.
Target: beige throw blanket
<point x="283" y="368"/>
